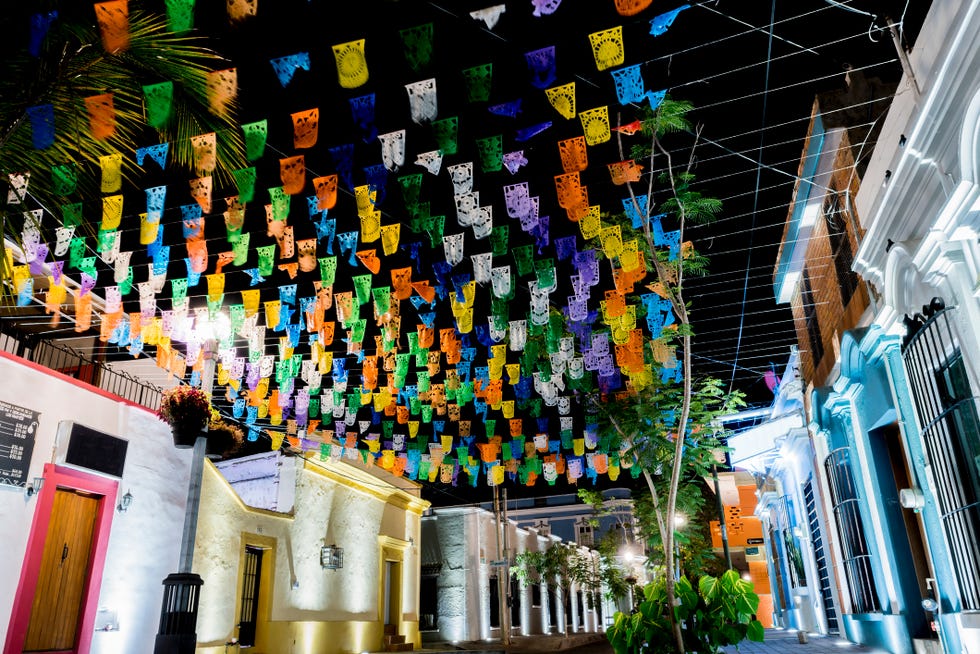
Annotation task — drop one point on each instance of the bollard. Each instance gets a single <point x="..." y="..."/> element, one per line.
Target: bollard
<point x="803" y="637"/>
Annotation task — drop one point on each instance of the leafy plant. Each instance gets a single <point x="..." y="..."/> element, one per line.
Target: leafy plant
<point x="224" y="438"/>
<point x="185" y="408"/>
<point x="717" y="613"/>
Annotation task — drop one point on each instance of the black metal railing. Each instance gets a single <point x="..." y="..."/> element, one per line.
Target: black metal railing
<point x="72" y="363"/>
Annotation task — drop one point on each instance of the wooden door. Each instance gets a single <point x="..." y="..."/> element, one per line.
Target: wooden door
<point x="64" y="571"/>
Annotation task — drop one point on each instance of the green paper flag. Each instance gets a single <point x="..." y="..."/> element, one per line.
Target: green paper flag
<point x="434" y="226"/>
<point x="178" y="289"/>
<point x="362" y="288"/>
<point x="236" y="315"/>
<point x="180" y="15"/>
<point x="255" y="136"/>
<point x="245" y="182"/>
<point x="76" y="251"/>
<point x="158" y="99"/>
<point x="71" y="214"/>
<point x="280" y="203"/>
<point x="411" y="186"/>
<point x="64" y="179"/>
<point x="524" y="259"/>
<point x="126" y="285"/>
<point x="491" y="150"/>
<point x="417" y="42"/>
<point x="357" y="328"/>
<point x="499" y="237"/>
<point x="478" y="79"/>
<point x="266" y="254"/>
<point x="446" y="132"/>
<point x="382" y="300"/>
<point x="328" y="270"/>
<point x="240" y="249"/>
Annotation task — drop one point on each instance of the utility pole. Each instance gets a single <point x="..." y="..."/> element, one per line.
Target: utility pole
<point x="721" y="515"/>
<point x="502" y="570"/>
<point x="182" y="590"/>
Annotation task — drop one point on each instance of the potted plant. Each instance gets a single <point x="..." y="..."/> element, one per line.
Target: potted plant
<point x="224" y="438"/>
<point x="187" y="410"/>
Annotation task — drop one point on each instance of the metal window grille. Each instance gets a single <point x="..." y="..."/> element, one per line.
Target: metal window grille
<point x="947" y="410"/>
<point x="840" y="247"/>
<point x="810" y="316"/>
<point x="819" y="554"/>
<point x="850" y="528"/>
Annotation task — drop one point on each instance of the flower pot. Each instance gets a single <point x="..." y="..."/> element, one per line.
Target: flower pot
<point x="185" y="437"/>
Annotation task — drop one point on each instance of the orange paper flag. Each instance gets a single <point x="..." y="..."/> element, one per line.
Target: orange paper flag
<point x="326" y="191"/>
<point x="101" y="116"/>
<point x="292" y="171"/>
<point x="113" y="18"/>
<point x="306" y="126"/>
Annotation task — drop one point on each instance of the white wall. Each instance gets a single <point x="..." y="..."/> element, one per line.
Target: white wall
<point x="144" y="542"/>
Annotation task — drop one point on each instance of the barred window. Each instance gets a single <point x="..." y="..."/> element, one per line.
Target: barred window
<point x="836" y="218"/>
<point x="947" y="410"/>
<point x="850" y="528"/>
<point x="810" y="316"/>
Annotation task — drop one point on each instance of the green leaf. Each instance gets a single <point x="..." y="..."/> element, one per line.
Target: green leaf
<point x="709" y="588"/>
<point x="756" y="632"/>
<point x="744" y="606"/>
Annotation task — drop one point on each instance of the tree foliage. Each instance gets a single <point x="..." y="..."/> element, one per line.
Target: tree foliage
<point x="70" y="65"/>
<point x="716" y="612"/>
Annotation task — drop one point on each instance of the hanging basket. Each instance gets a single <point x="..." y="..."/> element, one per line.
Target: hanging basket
<point x="184" y="437"/>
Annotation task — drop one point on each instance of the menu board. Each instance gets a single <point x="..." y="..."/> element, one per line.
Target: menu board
<point x="18" y="427"/>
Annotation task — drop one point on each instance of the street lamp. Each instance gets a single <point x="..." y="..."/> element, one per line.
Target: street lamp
<point x="177" y="633"/>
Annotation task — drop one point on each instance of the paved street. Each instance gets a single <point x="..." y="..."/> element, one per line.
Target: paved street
<point x="778" y="641"/>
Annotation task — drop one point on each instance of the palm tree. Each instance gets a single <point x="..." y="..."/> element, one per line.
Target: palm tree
<point x="63" y="61"/>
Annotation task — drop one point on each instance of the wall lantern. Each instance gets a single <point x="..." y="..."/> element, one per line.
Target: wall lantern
<point x="34" y="487"/>
<point x="331" y="557"/>
<point x="124" y="502"/>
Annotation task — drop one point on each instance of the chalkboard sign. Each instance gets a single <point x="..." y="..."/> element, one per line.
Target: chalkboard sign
<point x="18" y="427"/>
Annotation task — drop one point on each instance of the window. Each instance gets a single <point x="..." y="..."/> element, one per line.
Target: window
<point x="836" y="218"/>
<point x="850" y="527"/>
<point x="810" y="317"/>
<point x="947" y="411"/>
<point x="535" y="595"/>
<point x="584" y="536"/>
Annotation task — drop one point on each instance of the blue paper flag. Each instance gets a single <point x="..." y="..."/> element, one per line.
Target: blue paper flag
<point x="509" y="109"/>
<point x="541" y="65"/>
<point x="157" y="153"/>
<point x="42" y="125"/>
<point x="660" y="23"/>
<point x="526" y="133"/>
<point x="362" y="110"/>
<point x="286" y="67"/>
<point x="40" y="23"/>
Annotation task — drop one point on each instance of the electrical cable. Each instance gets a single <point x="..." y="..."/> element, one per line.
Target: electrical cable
<point x="755" y="203"/>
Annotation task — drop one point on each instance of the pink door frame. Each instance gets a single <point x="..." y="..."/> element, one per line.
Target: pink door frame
<point x="61" y="477"/>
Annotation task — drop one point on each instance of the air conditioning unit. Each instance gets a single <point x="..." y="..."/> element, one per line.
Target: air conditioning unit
<point x="90" y="450"/>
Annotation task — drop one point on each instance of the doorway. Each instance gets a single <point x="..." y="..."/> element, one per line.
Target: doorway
<point x="57" y="595"/>
<point x="251" y="579"/>
<point x="65" y="565"/>
<point x="392" y="592"/>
